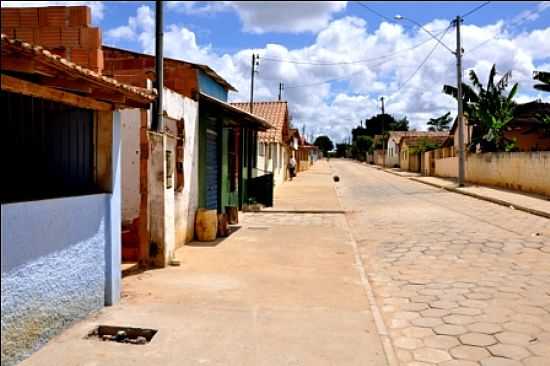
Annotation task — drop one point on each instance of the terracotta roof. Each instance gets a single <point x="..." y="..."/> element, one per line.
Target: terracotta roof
<point x="48" y="58"/>
<point x="276" y="113"/>
<point x="204" y="68"/>
<point x="415" y="140"/>
<point x="399" y="135"/>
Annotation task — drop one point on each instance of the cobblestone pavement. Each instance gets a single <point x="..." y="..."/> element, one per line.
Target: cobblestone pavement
<point x="459" y="281"/>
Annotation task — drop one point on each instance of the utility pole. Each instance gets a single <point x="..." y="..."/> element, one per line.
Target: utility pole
<point x="281" y="87"/>
<point x="255" y="59"/>
<point x="157" y="122"/>
<point x="460" y="117"/>
<point x="383" y="139"/>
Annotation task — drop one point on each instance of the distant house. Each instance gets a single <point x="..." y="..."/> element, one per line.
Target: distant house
<point x="526" y="128"/>
<point x="410" y="159"/>
<point x="393" y="150"/>
<point x="61" y="192"/>
<point x="273" y="149"/>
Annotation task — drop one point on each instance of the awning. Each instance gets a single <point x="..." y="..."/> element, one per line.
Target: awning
<point x="237" y="117"/>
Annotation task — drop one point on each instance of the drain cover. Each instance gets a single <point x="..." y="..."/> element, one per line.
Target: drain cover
<point x="123" y="334"/>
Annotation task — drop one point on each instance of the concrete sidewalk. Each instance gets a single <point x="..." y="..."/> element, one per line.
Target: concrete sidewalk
<point x="312" y="190"/>
<point x="283" y="289"/>
<point x="534" y="204"/>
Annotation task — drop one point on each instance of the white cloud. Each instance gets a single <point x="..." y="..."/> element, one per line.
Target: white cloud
<point x="97" y="7"/>
<point x="334" y="108"/>
<point x="286" y="16"/>
<point x="531" y="15"/>
<point x="269" y="16"/>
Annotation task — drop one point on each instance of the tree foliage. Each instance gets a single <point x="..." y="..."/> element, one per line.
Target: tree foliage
<point x="424" y="144"/>
<point x="343" y="150"/>
<point x="488" y="109"/>
<point x="440" y="123"/>
<point x="324" y="143"/>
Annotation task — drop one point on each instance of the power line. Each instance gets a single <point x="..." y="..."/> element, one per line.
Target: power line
<point x="350" y="62"/>
<point x="496" y="36"/>
<point x="475" y="9"/>
<point x="375" y="12"/>
<point x="422" y="63"/>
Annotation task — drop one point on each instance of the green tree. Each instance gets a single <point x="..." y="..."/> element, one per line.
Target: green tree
<point x="488" y="110"/>
<point x="401" y="124"/>
<point x="324" y="143"/>
<point x="382" y="123"/>
<point x="342" y="150"/>
<point x="361" y="146"/>
<point x="440" y="123"/>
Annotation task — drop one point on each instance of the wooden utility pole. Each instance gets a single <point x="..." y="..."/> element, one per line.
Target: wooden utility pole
<point x="383" y="130"/>
<point x="255" y="59"/>
<point x="460" y="117"/>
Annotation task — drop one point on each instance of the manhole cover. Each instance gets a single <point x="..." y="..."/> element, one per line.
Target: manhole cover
<point x="123" y="334"/>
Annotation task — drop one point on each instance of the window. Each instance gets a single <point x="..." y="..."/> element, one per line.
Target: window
<point x="47" y="148"/>
<point x="268" y="146"/>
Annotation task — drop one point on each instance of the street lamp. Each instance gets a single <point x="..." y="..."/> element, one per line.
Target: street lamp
<point x="458" y="54"/>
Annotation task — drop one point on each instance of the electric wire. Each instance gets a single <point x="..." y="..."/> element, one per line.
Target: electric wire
<point x="475" y="9"/>
<point x="272" y="59"/>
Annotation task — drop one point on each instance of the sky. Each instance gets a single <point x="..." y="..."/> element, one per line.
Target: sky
<point x="369" y="53"/>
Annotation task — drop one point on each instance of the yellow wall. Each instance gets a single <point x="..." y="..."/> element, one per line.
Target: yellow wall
<point x="524" y="171"/>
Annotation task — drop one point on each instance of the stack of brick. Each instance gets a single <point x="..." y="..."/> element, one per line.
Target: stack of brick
<point x="65" y="31"/>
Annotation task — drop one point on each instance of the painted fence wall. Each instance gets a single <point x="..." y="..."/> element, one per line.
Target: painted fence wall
<point x="53" y="268"/>
<point x="524" y="171"/>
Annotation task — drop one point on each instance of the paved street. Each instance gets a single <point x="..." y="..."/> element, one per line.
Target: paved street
<point x="282" y="290"/>
<point x="459" y="281"/>
<point x="411" y="275"/>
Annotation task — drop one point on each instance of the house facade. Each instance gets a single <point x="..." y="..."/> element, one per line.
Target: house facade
<point x="204" y="154"/>
<point x="61" y="205"/>
<point x="272" y="148"/>
<point x="410" y="158"/>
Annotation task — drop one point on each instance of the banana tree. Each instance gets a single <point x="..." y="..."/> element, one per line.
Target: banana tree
<point x="488" y="110"/>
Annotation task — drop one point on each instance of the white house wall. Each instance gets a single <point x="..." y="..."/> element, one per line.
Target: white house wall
<point x="392" y="153"/>
<point x="187" y="201"/>
<point x="130" y="130"/>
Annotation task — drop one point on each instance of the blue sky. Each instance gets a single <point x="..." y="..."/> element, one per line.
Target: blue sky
<point x="224" y="35"/>
<point x="224" y="29"/>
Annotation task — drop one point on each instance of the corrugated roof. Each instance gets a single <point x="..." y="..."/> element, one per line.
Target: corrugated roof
<point x="204" y="68"/>
<point x="43" y="55"/>
<point x="240" y="114"/>
<point x="276" y="113"/>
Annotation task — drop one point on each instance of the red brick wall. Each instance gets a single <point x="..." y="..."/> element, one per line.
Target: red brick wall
<point x="65" y="30"/>
<point x="134" y="69"/>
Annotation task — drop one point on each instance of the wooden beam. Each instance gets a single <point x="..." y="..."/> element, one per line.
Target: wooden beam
<point x="67" y="84"/>
<point x="25" y="65"/>
<point x="106" y="94"/>
<point x="19" y="86"/>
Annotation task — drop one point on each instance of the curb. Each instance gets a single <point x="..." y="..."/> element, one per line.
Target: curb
<point x="298" y="211"/>
<point x="485" y="198"/>
<point x="379" y="323"/>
